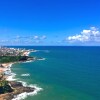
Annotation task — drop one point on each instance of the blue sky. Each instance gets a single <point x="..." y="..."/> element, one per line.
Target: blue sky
<point x="49" y="22"/>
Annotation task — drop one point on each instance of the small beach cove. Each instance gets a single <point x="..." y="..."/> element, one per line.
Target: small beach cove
<point x="17" y="90"/>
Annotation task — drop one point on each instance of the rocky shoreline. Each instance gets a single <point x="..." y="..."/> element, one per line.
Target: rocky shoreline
<point x="18" y="88"/>
<point x="14" y="88"/>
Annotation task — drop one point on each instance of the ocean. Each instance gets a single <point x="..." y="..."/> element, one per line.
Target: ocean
<point x="66" y="73"/>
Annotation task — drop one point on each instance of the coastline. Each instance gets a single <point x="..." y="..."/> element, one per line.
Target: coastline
<point x="26" y="89"/>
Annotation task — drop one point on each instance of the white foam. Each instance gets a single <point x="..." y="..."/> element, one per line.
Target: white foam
<point x="25" y="94"/>
<point x="10" y="65"/>
<point x="27" y="61"/>
<point x="28" y="53"/>
<point x="11" y="77"/>
<point x="42" y="59"/>
<point x="25" y="74"/>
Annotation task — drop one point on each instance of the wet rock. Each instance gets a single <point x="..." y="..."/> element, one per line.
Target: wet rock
<point x="15" y="84"/>
<point x="18" y="88"/>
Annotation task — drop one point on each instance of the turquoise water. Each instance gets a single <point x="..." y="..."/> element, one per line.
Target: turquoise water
<point x="68" y="73"/>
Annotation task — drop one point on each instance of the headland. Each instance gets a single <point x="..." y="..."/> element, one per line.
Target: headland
<point x="9" y="89"/>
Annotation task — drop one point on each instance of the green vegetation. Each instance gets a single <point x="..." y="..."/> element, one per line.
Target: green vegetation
<point x="7" y="59"/>
<point x="5" y="87"/>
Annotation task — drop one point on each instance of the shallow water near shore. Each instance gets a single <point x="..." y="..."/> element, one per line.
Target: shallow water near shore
<point x="67" y="73"/>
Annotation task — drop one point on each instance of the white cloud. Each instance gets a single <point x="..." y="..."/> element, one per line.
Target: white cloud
<point x="40" y="37"/>
<point x="93" y="34"/>
<point x="36" y="37"/>
<point x="93" y="28"/>
<point x="4" y="41"/>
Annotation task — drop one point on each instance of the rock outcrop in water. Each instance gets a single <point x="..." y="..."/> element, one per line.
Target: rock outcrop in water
<point x="18" y="88"/>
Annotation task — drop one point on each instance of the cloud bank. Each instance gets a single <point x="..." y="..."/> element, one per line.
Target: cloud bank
<point x="91" y="35"/>
<point x="24" y="40"/>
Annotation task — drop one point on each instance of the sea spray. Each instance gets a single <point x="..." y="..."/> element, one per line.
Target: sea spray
<point x="27" y="74"/>
<point x="41" y="59"/>
<point x="11" y="77"/>
<point x="24" y="95"/>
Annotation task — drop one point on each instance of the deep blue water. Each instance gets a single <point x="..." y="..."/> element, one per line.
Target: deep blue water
<point x="68" y="73"/>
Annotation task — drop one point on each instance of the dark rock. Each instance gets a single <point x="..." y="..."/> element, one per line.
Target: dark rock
<point x="15" y="84"/>
<point x="18" y="88"/>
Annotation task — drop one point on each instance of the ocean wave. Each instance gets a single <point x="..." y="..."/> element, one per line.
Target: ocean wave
<point x="11" y="77"/>
<point x="27" y="61"/>
<point x="42" y="59"/>
<point x="25" y="74"/>
<point x="46" y="51"/>
<point x="25" y="94"/>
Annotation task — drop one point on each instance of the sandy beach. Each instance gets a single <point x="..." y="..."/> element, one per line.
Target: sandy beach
<point x="5" y="66"/>
<point x="17" y="88"/>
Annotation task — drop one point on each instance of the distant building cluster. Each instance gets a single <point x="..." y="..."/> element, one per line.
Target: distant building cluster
<point x="4" y="51"/>
<point x="11" y="55"/>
